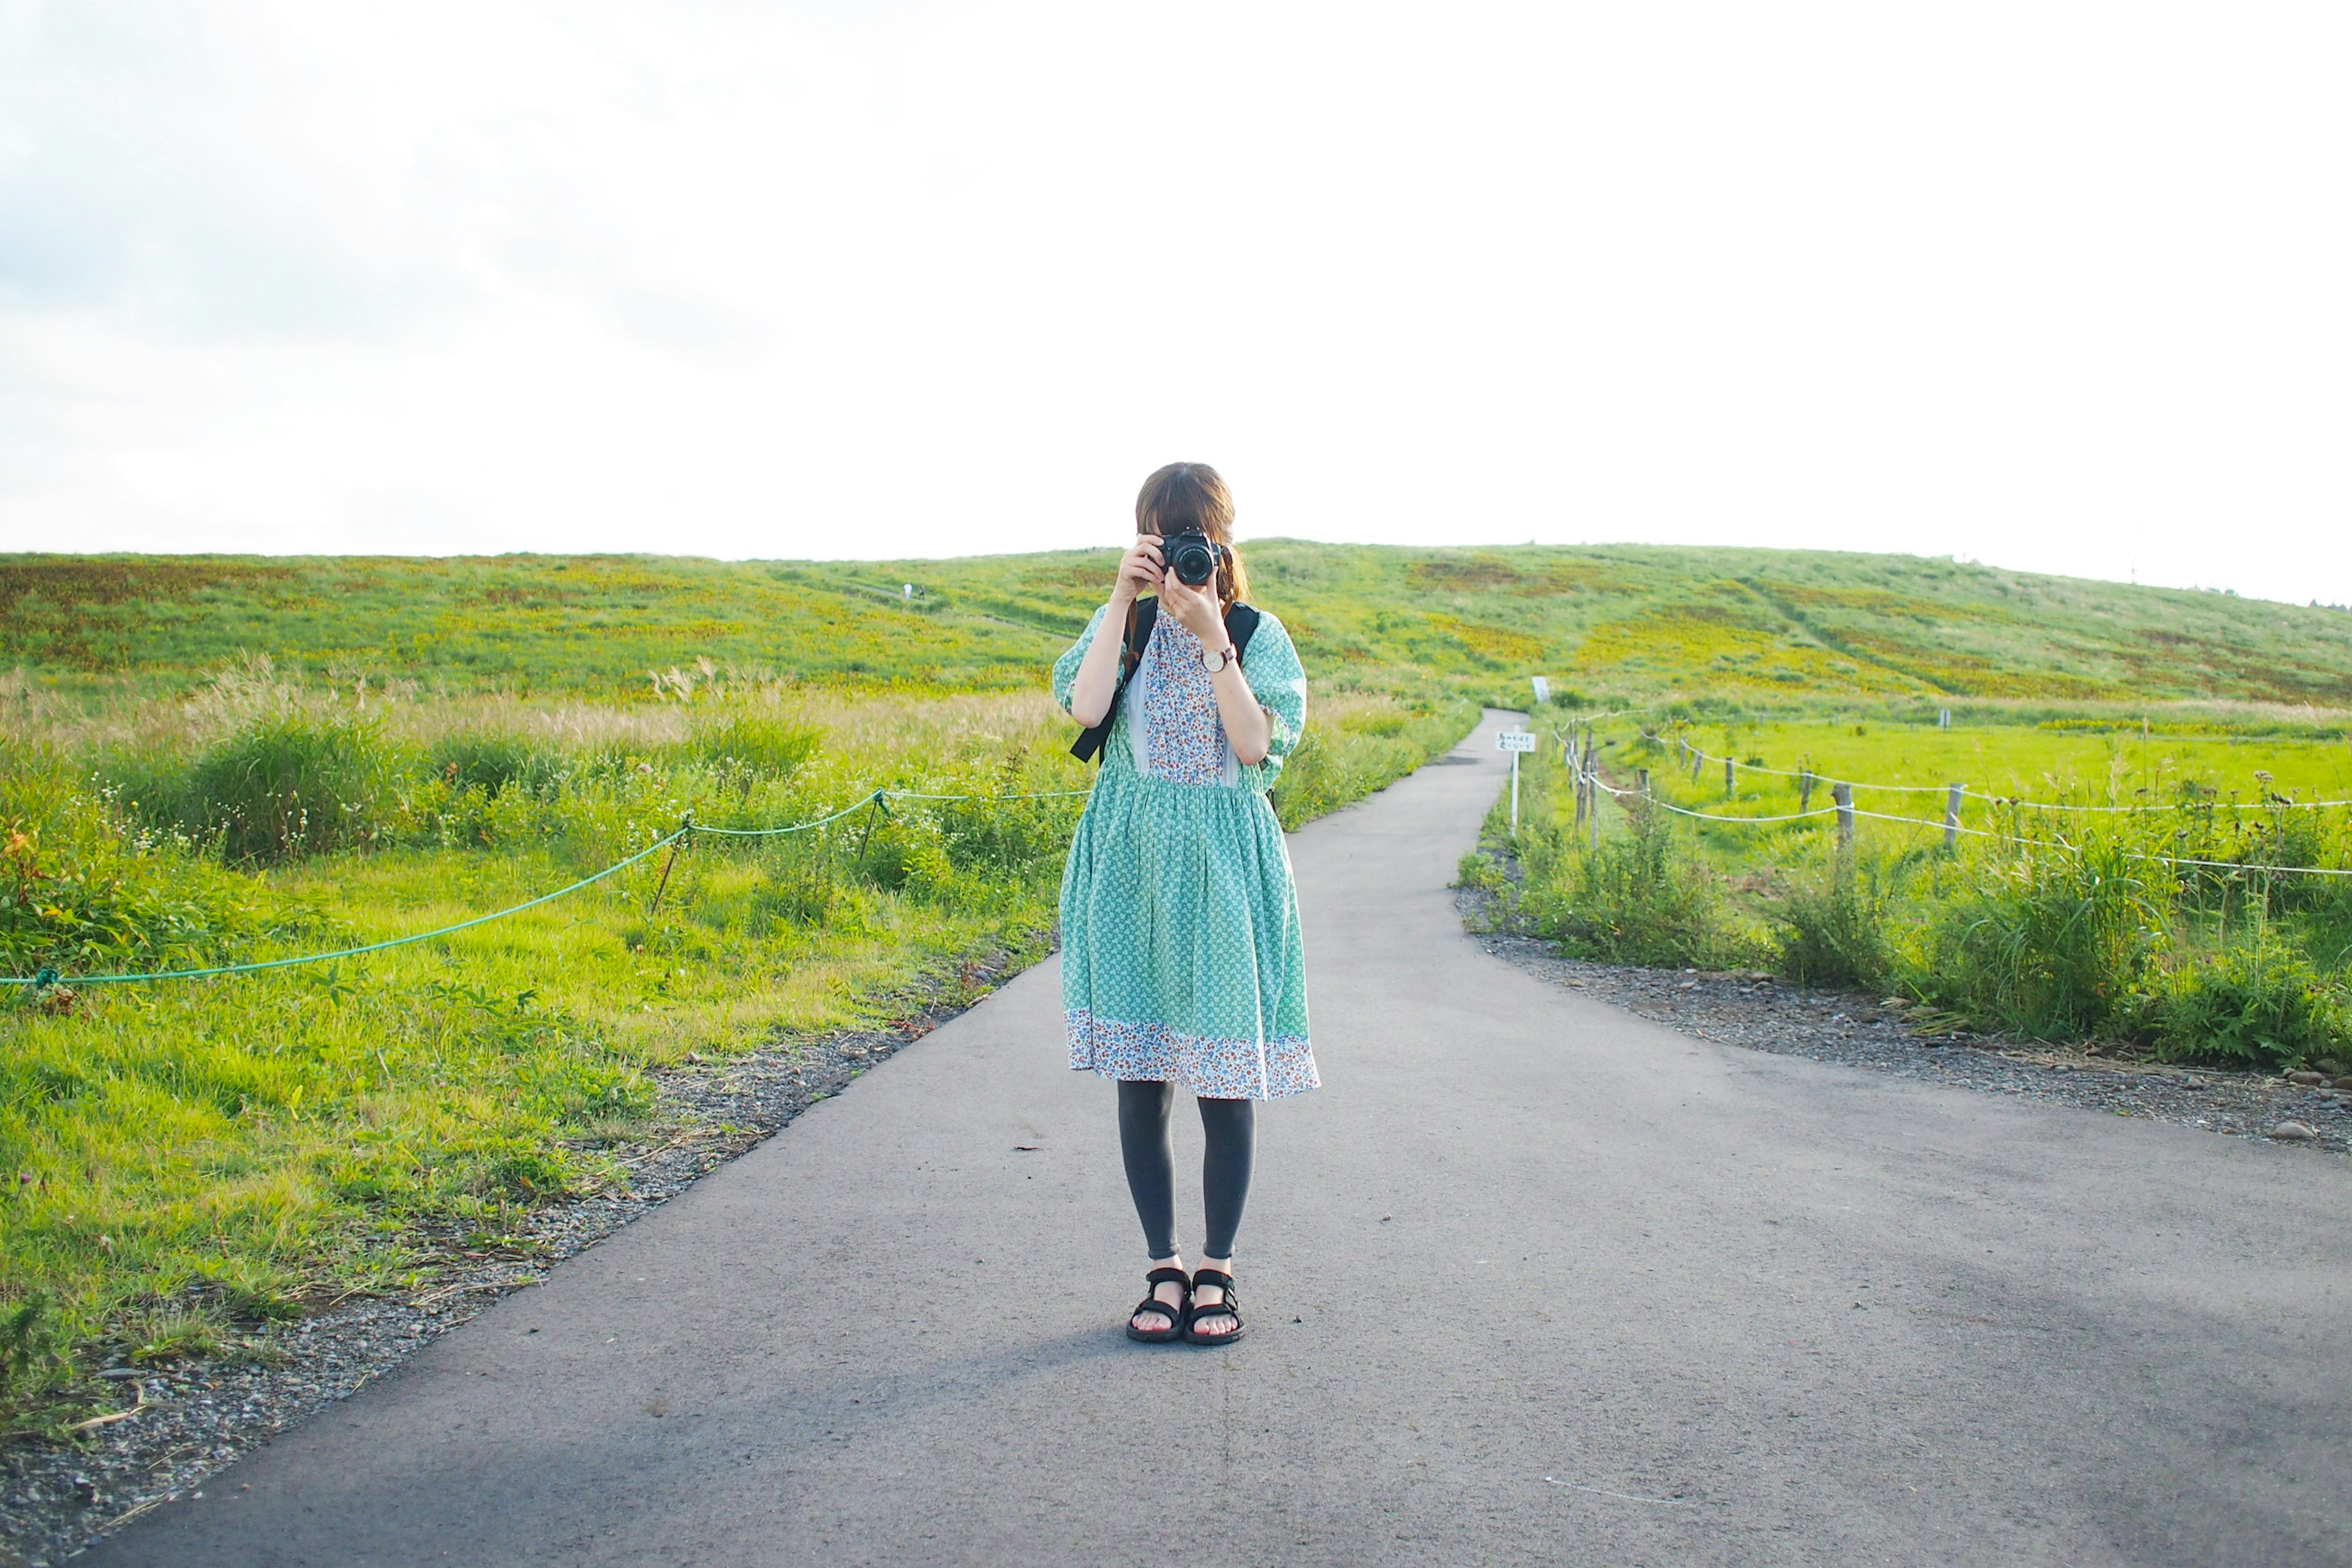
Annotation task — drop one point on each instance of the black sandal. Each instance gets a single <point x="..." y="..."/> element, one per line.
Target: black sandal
<point x="1229" y="1308"/>
<point x="1178" y="1313"/>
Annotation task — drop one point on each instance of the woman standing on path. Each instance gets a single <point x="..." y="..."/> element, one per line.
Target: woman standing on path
<point x="1182" y="964"/>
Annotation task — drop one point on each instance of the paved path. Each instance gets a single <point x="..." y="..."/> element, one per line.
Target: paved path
<point x="1532" y="1280"/>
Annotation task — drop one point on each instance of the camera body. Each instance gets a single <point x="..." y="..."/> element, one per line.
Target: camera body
<point x="1192" y="557"/>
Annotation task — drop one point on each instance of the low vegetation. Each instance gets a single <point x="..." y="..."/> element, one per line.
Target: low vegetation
<point x="186" y="1162"/>
<point x="2109" y="894"/>
<point x="207" y="761"/>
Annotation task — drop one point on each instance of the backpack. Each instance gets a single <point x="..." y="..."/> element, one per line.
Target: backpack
<point x="1241" y="620"/>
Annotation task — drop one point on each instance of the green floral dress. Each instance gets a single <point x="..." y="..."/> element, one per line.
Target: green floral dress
<point x="1181" y="953"/>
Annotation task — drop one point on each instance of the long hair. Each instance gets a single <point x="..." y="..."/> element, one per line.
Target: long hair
<point x="1185" y="497"/>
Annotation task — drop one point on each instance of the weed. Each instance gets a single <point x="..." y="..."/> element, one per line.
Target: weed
<point x="292" y="784"/>
<point x="1640" y="896"/>
<point x="2257" y="1004"/>
<point x="1832" y="929"/>
<point x="2044" y="940"/>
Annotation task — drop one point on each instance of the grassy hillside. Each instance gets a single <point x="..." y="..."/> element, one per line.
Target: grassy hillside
<point x="209" y="759"/>
<point x="1757" y="626"/>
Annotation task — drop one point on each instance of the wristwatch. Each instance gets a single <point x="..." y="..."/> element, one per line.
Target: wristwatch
<point x="1215" y="659"/>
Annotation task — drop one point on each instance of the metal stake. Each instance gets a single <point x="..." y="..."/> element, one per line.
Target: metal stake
<point x="685" y="831"/>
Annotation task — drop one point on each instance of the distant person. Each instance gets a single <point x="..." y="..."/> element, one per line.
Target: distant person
<point x="1182" y="964"/>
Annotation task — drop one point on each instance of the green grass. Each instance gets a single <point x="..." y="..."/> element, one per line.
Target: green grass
<point x="213" y="759"/>
<point x="2041" y="922"/>
<point x="1734" y="628"/>
<point x="182" y="1163"/>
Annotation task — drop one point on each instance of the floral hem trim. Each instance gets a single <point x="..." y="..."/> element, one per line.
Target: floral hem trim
<point x="1212" y="1067"/>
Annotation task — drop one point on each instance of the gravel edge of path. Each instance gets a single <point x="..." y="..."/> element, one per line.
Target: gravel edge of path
<point x="1756" y="1012"/>
<point x="196" y="1419"/>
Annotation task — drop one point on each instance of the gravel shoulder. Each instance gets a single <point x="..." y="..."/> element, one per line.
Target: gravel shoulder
<point x="1757" y="1013"/>
<point x="189" y="1420"/>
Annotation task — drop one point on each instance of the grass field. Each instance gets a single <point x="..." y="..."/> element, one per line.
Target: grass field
<point x="205" y="760"/>
<point x="2163" y="894"/>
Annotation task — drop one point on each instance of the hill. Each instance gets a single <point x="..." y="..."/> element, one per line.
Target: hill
<point x="1618" y="622"/>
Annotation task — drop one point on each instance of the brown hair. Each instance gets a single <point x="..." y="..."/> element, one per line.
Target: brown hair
<point x="1183" y="497"/>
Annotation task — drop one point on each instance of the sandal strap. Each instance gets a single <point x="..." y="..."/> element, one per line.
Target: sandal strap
<point x="1223" y="1282"/>
<point x="1168" y="1276"/>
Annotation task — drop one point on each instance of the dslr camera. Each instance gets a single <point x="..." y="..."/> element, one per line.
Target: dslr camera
<point x="1191" y="556"/>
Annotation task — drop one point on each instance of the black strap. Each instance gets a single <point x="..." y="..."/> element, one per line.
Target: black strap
<point x="1215" y="1280"/>
<point x="1160" y="1277"/>
<point x="1241" y="621"/>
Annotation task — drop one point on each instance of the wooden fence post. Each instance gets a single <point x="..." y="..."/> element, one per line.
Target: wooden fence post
<point x="1952" y="815"/>
<point x="1805" y="790"/>
<point x="1843" y="794"/>
<point x="1730" y="785"/>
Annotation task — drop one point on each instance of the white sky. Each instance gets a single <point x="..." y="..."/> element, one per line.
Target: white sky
<point x="2056" y="286"/>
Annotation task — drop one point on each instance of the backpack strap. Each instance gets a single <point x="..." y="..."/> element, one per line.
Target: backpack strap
<point x="1141" y="616"/>
<point x="1241" y="621"/>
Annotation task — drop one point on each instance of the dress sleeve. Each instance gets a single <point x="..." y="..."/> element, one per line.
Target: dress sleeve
<point x="1066" y="669"/>
<point x="1279" y="682"/>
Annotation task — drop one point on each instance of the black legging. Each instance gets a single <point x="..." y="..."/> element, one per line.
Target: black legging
<point x="1149" y="1145"/>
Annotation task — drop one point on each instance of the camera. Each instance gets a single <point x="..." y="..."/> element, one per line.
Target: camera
<point x="1190" y="557"/>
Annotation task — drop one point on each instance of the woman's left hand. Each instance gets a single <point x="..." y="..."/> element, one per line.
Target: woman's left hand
<point x="1195" y="609"/>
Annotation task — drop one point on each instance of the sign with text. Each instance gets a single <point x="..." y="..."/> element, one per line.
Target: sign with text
<point x="1514" y="740"/>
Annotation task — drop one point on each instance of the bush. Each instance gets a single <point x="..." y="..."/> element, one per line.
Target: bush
<point x="493" y="763"/>
<point x="2048" y="941"/>
<point x="1833" y="931"/>
<point x="81" y="890"/>
<point x="1639" y="897"/>
<point x="291" y="784"/>
<point x="759" y="745"/>
<point x="2256" y="1004"/>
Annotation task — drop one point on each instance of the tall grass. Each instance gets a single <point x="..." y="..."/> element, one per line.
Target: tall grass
<point x="2045" y="925"/>
<point x="2047" y="940"/>
<point x="187" y="1161"/>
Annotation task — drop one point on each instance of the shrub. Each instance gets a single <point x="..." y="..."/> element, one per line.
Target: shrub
<point x="2257" y="1002"/>
<point x="759" y="745"/>
<point x="492" y="762"/>
<point x="291" y="785"/>
<point x="1833" y="931"/>
<point x="1639" y="897"/>
<point x="81" y="890"/>
<point x="2048" y="941"/>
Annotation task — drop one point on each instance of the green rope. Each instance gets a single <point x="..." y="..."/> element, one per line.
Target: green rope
<point x="856" y="805"/>
<point x="877" y="801"/>
<point x="49" y="976"/>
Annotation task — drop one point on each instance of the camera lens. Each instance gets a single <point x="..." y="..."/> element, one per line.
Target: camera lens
<point x="1191" y="562"/>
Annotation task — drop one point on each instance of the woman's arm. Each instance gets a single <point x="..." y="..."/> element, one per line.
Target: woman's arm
<point x="1247" y="725"/>
<point x="1097" y="679"/>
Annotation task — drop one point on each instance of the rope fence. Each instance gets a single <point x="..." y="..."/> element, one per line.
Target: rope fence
<point x="876" y="800"/>
<point x="1948" y="825"/>
<point x="2275" y="802"/>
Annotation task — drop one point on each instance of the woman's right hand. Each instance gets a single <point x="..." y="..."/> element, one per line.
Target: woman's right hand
<point x="1139" y="569"/>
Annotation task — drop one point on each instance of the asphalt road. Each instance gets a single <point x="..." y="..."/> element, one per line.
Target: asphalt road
<point x="1530" y="1281"/>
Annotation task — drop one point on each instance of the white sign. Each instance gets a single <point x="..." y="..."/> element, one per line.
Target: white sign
<point x="1543" y="688"/>
<point x="1514" y="740"/>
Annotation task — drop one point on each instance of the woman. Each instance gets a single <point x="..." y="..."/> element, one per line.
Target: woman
<point x="1181" y="965"/>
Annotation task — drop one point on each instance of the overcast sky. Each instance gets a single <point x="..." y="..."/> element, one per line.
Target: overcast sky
<point x="2055" y="286"/>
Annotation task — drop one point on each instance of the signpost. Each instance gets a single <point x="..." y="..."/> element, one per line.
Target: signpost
<point x="1514" y="742"/>
<point x="1543" y="689"/>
